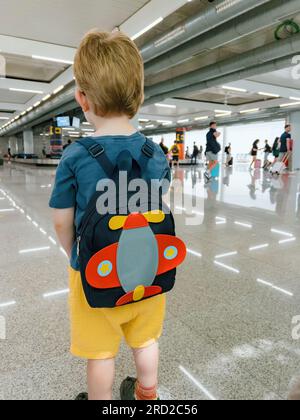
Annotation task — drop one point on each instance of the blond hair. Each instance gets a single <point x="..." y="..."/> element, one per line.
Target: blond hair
<point x="109" y="70"/>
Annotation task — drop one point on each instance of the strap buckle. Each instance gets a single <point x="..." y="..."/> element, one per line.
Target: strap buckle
<point x="96" y="150"/>
<point x="148" y="149"/>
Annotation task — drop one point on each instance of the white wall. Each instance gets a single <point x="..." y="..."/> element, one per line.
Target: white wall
<point x="240" y="136"/>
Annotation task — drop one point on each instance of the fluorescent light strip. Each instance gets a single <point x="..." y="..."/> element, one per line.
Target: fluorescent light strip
<point x="147" y="28"/>
<point x="202" y="118"/>
<point x="234" y="89"/>
<point x="195" y="253"/>
<point x="227" y="267"/>
<point x="198" y="384"/>
<point x="281" y="232"/>
<point x="247" y="225"/>
<point x="57" y="293"/>
<point x="292" y="98"/>
<point x="279" y="289"/>
<point x="183" y="121"/>
<point x="43" y="231"/>
<point x="284" y="241"/>
<point x="6" y="304"/>
<point x="222" y="111"/>
<point x="46" y="97"/>
<point x="271" y="95"/>
<point x="254" y="248"/>
<point x="228" y="254"/>
<point x="26" y="90"/>
<point x="249" y="111"/>
<point x="166" y="106"/>
<point x="6" y="210"/>
<point x="291" y="104"/>
<point x="54" y="60"/>
<point x="58" y="89"/>
<point x="27" y="251"/>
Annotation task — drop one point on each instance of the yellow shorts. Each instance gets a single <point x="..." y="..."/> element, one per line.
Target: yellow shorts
<point x="97" y="333"/>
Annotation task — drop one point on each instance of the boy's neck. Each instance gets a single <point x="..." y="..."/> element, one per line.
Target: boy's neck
<point x="119" y="125"/>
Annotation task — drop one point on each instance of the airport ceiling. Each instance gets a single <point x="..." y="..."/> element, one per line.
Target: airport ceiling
<point x="203" y="59"/>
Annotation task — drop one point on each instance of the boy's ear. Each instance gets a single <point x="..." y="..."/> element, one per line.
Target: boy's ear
<point x="82" y="100"/>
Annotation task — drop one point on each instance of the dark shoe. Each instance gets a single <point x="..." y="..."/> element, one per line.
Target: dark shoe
<point x="82" y="397"/>
<point x="127" y="389"/>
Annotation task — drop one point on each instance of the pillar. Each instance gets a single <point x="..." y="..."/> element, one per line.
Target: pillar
<point x="294" y="120"/>
<point x="56" y="144"/>
<point x="28" y="142"/>
<point x="180" y="139"/>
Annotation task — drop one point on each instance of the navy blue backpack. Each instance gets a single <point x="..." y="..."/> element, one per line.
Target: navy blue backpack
<point x="126" y="257"/>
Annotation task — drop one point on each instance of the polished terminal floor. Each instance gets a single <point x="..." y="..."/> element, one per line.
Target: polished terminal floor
<point x="228" y="331"/>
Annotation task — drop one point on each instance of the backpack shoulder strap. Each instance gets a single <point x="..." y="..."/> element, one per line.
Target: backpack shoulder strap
<point x="147" y="150"/>
<point x="97" y="152"/>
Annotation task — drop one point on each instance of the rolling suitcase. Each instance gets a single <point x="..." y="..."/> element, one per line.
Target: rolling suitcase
<point x="279" y="167"/>
<point x="258" y="164"/>
<point x="215" y="172"/>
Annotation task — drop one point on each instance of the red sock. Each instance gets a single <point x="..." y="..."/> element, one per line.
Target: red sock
<point x="143" y="393"/>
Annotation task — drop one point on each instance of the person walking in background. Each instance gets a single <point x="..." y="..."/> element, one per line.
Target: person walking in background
<point x="275" y="149"/>
<point x="212" y="149"/>
<point x="228" y="151"/>
<point x="175" y="154"/>
<point x="283" y="148"/>
<point x="254" y="151"/>
<point x="163" y="147"/>
<point x="9" y="154"/>
<point x="201" y="153"/>
<point x="187" y="153"/>
<point x="267" y="151"/>
<point x="195" y="154"/>
<point x="67" y="144"/>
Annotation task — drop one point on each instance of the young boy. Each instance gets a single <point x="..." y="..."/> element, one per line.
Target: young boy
<point x="110" y="83"/>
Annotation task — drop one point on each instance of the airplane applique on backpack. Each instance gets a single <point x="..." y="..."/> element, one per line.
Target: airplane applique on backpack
<point x="127" y="257"/>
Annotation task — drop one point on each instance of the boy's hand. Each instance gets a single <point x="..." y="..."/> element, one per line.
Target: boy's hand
<point x="63" y="220"/>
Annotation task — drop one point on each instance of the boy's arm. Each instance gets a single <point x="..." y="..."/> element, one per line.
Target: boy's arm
<point x="63" y="203"/>
<point x="63" y="220"/>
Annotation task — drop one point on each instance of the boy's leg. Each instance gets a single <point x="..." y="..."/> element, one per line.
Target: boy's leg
<point x="146" y="361"/>
<point x="100" y="375"/>
<point x="144" y="387"/>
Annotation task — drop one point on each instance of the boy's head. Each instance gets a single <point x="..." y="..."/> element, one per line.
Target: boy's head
<point x="109" y="73"/>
